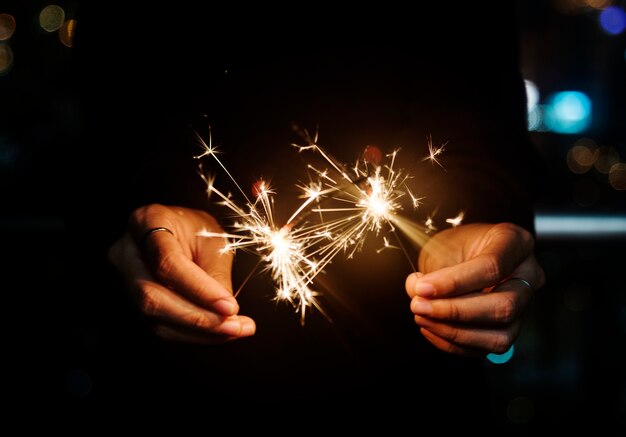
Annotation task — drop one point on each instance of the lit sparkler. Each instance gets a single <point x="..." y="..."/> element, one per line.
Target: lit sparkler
<point x="339" y="209"/>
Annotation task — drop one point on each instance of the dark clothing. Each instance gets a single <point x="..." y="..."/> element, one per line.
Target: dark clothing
<point x="362" y="77"/>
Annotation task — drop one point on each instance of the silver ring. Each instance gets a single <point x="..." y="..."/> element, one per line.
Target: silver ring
<point x="523" y="281"/>
<point x="152" y="231"/>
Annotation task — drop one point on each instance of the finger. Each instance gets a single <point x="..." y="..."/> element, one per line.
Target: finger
<point x="490" y="340"/>
<point x="158" y="301"/>
<point x="178" y="334"/>
<point x="507" y="246"/>
<point x="171" y="266"/>
<point x="409" y="283"/>
<point x="503" y="305"/>
<point x="531" y="272"/>
<point x="448" y="347"/>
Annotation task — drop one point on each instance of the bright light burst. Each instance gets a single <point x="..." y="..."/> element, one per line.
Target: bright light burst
<point x="341" y="206"/>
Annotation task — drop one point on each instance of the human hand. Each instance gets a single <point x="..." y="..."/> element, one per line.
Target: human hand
<point x="181" y="282"/>
<point x="474" y="283"/>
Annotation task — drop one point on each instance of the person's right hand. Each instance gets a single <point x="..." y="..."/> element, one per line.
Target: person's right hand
<point x="180" y="281"/>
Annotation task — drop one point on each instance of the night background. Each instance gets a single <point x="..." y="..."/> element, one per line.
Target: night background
<point x="568" y="366"/>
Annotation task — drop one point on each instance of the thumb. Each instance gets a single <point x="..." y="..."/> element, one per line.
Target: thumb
<point x="410" y="283"/>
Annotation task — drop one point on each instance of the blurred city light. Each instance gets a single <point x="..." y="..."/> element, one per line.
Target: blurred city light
<point x="7" y="26"/>
<point x="568" y="112"/>
<point x="613" y="20"/>
<point x="582" y="156"/>
<point x="598" y="4"/>
<point x="66" y="33"/>
<point x="607" y="158"/>
<point x="578" y="226"/>
<point x="6" y="59"/>
<point x="536" y="118"/>
<point x="532" y="94"/>
<point x="51" y="18"/>
<point x="617" y="176"/>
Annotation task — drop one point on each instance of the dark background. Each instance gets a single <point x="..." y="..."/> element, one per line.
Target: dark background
<point x="569" y="365"/>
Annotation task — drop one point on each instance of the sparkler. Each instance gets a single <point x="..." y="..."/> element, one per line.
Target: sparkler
<point x="341" y="206"/>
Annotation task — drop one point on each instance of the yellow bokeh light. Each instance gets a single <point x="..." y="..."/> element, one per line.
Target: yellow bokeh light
<point x="66" y="33"/>
<point x="6" y="58"/>
<point x="581" y="158"/>
<point x="598" y="4"/>
<point x="606" y="158"/>
<point x="7" y="26"/>
<point x="617" y="176"/>
<point x="51" y="18"/>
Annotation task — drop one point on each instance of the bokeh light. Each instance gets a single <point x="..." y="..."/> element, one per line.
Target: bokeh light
<point x="51" y="18"/>
<point x="6" y="58"/>
<point x="66" y="33"/>
<point x="7" y="26"/>
<point x="535" y="118"/>
<point x="569" y="112"/>
<point x="598" y="4"/>
<point x="520" y="410"/>
<point x="581" y="157"/>
<point x="532" y="94"/>
<point x="607" y="157"/>
<point x="617" y="176"/>
<point x="613" y="20"/>
<point x="502" y="358"/>
<point x="564" y="226"/>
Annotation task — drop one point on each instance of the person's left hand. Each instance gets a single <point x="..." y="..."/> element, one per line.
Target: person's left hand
<point x="473" y="285"/>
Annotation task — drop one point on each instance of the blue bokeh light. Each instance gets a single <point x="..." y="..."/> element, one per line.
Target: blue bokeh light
<point x="613" y="20"/>
<point x="502" y="358"/>
<point x="568" y="112"/>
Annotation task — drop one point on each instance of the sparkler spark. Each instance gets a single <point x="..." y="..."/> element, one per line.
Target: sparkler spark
<point x="456" y="221"/>
<point x="434" y="151"/>
<point x="341" y="206"/>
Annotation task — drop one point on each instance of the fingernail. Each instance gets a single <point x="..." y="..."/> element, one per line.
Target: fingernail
<point x="421" y="306"/>
<point x="424" y="289"/>
<point x="226" y="307"/>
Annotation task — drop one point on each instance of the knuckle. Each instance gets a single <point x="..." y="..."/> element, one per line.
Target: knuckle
<point x="139" y="214"/>
<point x="493" y="267"/>
<point x="199" y="321"/>
<point x="149" y="303"/>
<point x="505" y="309"/>
<point x="454" y="312"/>
<point x="522" y="235"/>
<point x="142" y="214"/>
